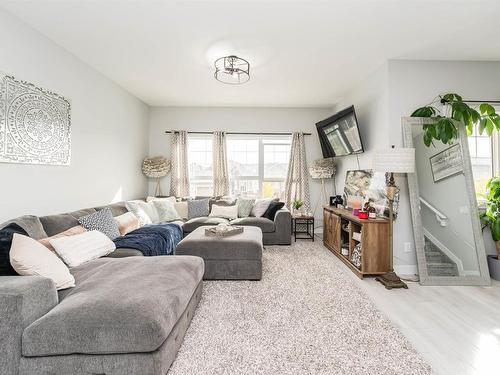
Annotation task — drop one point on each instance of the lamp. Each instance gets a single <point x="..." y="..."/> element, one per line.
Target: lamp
<point x="156" y="167"/>
<point x="232" y="70"/>
<point x="393" y="160"/>
<point x="322" y="169"/>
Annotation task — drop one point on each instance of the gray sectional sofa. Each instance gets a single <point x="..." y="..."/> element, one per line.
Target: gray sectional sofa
<point x="115" y="320"/>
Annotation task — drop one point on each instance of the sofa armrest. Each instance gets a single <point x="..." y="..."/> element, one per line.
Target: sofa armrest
<point x="23" y="299"/>
<point x="283" y="224"/>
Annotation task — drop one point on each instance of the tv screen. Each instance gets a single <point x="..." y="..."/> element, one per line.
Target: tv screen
<point x="339" y="134"/>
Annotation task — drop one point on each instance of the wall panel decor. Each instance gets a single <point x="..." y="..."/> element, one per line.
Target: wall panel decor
<point x="35" y="124"/>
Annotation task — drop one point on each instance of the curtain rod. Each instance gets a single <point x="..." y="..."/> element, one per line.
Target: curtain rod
<point x="242" y="133"/>
<point x="482" y="101"/>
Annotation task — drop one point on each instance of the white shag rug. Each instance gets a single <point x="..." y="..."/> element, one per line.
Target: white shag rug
<point x="304" y="317"/>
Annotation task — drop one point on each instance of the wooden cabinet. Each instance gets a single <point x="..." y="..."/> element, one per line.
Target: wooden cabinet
<point x="344" y="231"/>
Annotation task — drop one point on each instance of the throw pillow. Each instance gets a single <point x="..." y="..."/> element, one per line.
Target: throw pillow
<point x="83" y="248"/>
<point x="182" y="209"/>
<point x="6" y="235"/>
<point x="170" y="199"/>
<point x="166" y="211"/>
<point x="145" y="212"/>
<point x="260" y="206"/>
<point x="198" y="208"/>
<point x="70" y="232"/>
<point x="103" y="221"/>
<point x="127" y="223"/>
<point x="245" y="206"/>
<point x="30" y="258"/>
<point x="226" y="212"/>
<point x="272" y="209"/>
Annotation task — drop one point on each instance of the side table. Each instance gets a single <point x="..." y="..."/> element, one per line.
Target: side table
<point x="304" y="226"/>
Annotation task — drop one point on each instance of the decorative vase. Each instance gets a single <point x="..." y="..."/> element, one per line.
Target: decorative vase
<point x="494" y="266"/>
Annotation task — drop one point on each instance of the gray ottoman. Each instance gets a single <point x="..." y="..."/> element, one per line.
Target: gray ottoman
<point x="237" y="257"/>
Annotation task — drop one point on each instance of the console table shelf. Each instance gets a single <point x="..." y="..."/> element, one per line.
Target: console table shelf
<point x="374" y="240"/>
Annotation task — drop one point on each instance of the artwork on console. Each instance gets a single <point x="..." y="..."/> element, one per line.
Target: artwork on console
<point x="35" y="124"/>
<point x="447" y="163"/>
<point x="372" y="187"/>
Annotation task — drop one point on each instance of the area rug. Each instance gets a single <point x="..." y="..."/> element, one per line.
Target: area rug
<point x="306" y="316"/>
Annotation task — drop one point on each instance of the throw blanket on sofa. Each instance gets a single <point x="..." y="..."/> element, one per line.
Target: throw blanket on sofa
<point x="151" y="240"/>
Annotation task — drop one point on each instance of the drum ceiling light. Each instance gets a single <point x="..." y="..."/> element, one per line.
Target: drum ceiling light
<point x="232" y="70"/>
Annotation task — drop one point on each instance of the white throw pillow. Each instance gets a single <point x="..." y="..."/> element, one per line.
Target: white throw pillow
<point x="182" y="209"/>
<point x="166" y="211"/>
<point x="145" y="212"/>
<point x="226" y="212"/>
<point x="170" y="199"/>
<point x="29" y="257"/>
<point x="260" y="206"/>
<point x="83" y="248"/>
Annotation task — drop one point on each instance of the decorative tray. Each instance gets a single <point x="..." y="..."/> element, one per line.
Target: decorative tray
<point x="217" y="232"/>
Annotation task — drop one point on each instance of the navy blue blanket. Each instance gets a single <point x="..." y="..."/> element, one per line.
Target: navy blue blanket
<point x="151" y="240"/>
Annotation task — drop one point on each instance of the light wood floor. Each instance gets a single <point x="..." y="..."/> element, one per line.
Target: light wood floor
<point x="455" y="328"/>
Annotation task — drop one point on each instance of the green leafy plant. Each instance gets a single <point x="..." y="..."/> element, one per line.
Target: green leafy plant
<point x="297" y="203"/>
<point x="456" y="113"/>
<point x="491" y="217"/>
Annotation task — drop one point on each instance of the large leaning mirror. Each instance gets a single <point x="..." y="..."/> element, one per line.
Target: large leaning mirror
<point x="446" y="226"/>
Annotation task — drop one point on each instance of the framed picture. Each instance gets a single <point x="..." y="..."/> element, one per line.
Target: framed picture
<point x="371" y="186"/>
<point x="447" y="163"/>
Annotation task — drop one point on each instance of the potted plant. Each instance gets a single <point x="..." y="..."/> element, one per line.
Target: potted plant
<point x="491" y="218"/>
<point x="297" y="204"/>
<point x="456" y="113"/>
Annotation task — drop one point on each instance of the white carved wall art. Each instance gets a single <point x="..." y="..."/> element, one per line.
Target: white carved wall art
<point x="35" y="124"/>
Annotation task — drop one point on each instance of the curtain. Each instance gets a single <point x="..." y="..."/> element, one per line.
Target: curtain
<point x="179" y="180"/>
<point x="297" y="179"/>
<point x="220" y="172"/>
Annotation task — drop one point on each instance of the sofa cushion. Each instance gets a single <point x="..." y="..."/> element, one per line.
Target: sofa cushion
<point x="117" y="209"/>
<point x="198" y="208"/>
<point x="30" y="223"/>
<point x="192" y="224"/>
<point x="54" y="224"/>
<point x="125" y="305"/>
<point x="266" y="225"/>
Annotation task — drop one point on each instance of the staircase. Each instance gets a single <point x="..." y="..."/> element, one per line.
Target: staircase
<point x="438" y="263"/>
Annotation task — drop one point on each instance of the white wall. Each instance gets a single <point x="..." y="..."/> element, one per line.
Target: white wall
<point x="109" y="131"/>
<point x="395" y="90"/>
<point x="236" y="119"/>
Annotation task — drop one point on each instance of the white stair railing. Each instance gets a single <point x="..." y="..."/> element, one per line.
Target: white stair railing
<point x="440" y="217"/>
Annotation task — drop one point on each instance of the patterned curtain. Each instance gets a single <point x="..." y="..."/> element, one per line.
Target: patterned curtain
<point x="220" y="174"/>
<point x="297" y="179"/>
<point x="179" y="180"/>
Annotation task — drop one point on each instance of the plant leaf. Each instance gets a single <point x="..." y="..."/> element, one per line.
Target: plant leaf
<point x="490" y="126"/>
<point x="451" y="97"/>
<point x="486" y="109"/>
<point x="424" y="112"/>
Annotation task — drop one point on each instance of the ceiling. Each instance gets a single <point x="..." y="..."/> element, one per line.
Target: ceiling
<point x="302" y="53"/>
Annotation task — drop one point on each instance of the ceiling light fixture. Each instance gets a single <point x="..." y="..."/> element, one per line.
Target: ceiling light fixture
<point x="232" y="70"/>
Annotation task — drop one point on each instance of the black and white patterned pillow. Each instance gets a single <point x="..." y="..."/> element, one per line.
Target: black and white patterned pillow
<point x="103" y="221"/>
<point x="198" y="208"/>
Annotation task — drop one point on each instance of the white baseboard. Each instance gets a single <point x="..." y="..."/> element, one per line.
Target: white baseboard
<point x="405" y="269"/>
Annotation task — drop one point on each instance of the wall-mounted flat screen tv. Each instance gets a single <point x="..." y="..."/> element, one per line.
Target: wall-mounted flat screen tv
<point x="339" y="134"/>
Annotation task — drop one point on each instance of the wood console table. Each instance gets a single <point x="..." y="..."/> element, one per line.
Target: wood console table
<point x="339" y="228"/>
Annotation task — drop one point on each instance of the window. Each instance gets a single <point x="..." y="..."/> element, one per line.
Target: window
<point x="484" y="154"/>
<point x="200" y="165"/>
<point x="258" y="165"/>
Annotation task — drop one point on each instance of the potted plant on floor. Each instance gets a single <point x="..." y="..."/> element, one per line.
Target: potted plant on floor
<point x="491" y="218"/>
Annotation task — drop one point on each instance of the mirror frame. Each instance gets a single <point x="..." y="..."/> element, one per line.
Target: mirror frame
<point x="484" y="276"/>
